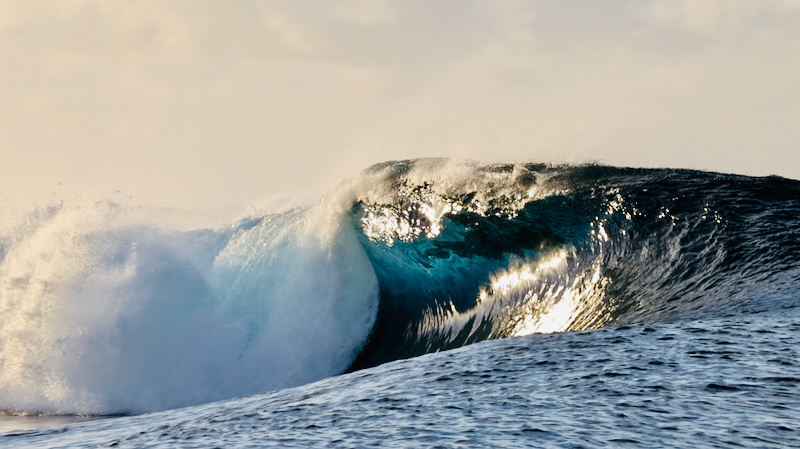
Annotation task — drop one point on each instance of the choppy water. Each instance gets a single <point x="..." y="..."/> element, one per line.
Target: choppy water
<point x="730" y="382"/>
<point x="469" y="305"/>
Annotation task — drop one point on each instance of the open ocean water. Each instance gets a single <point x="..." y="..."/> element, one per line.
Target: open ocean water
<point x="425" y="303"/>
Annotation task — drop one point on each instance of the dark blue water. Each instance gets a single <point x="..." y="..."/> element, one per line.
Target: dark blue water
<point x="467" y="305"/>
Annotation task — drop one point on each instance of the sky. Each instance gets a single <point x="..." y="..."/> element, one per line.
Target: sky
<point x="211" y="105"/>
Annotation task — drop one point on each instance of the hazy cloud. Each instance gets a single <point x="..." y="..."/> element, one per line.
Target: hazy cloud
<point x="197" y="102"/>
<point x="712" y="15"/>
<point x="364" y="12"/>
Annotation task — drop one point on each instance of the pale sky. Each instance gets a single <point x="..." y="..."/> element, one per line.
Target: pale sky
<point x="197" y="104"/>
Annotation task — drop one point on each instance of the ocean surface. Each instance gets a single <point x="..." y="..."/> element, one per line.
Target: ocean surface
<point x="422" y="303"/>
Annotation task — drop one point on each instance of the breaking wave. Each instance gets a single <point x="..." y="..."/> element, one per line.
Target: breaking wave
<point x="105" y="312"/>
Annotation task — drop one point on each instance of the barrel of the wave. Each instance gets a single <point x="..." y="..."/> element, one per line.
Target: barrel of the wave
<point x="515" y="250"/>
<point x="458" y="264"/>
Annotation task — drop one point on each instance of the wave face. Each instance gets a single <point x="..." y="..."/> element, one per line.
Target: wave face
<point x="102" y="312"/>
<point x="467" y="253"/>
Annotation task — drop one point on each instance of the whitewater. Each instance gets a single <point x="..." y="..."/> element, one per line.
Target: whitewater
<point x="420" y="303"/>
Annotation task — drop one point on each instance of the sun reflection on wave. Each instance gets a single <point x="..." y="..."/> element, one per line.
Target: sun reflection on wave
<point x="417" y="209"/>
<point x="564" y="306"/>
<point x="563" y="301"/>
<point x="545" y="297"/>
<point x="557" y="292"/>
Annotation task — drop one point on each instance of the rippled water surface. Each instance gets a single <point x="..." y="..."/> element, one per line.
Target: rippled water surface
<point x="732" y="382"/>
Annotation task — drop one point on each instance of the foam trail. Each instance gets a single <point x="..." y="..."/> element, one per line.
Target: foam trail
<point x="102" y="313"/>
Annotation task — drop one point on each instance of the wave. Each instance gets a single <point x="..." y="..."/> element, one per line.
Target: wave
<point x="103" y="312"/>
<point x="514" y="249"/>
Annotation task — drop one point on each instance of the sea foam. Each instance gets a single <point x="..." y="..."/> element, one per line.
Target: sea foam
<point x="102" y="312"/>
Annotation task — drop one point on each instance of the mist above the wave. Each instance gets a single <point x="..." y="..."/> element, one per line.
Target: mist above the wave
<point x="200" y="104"/>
